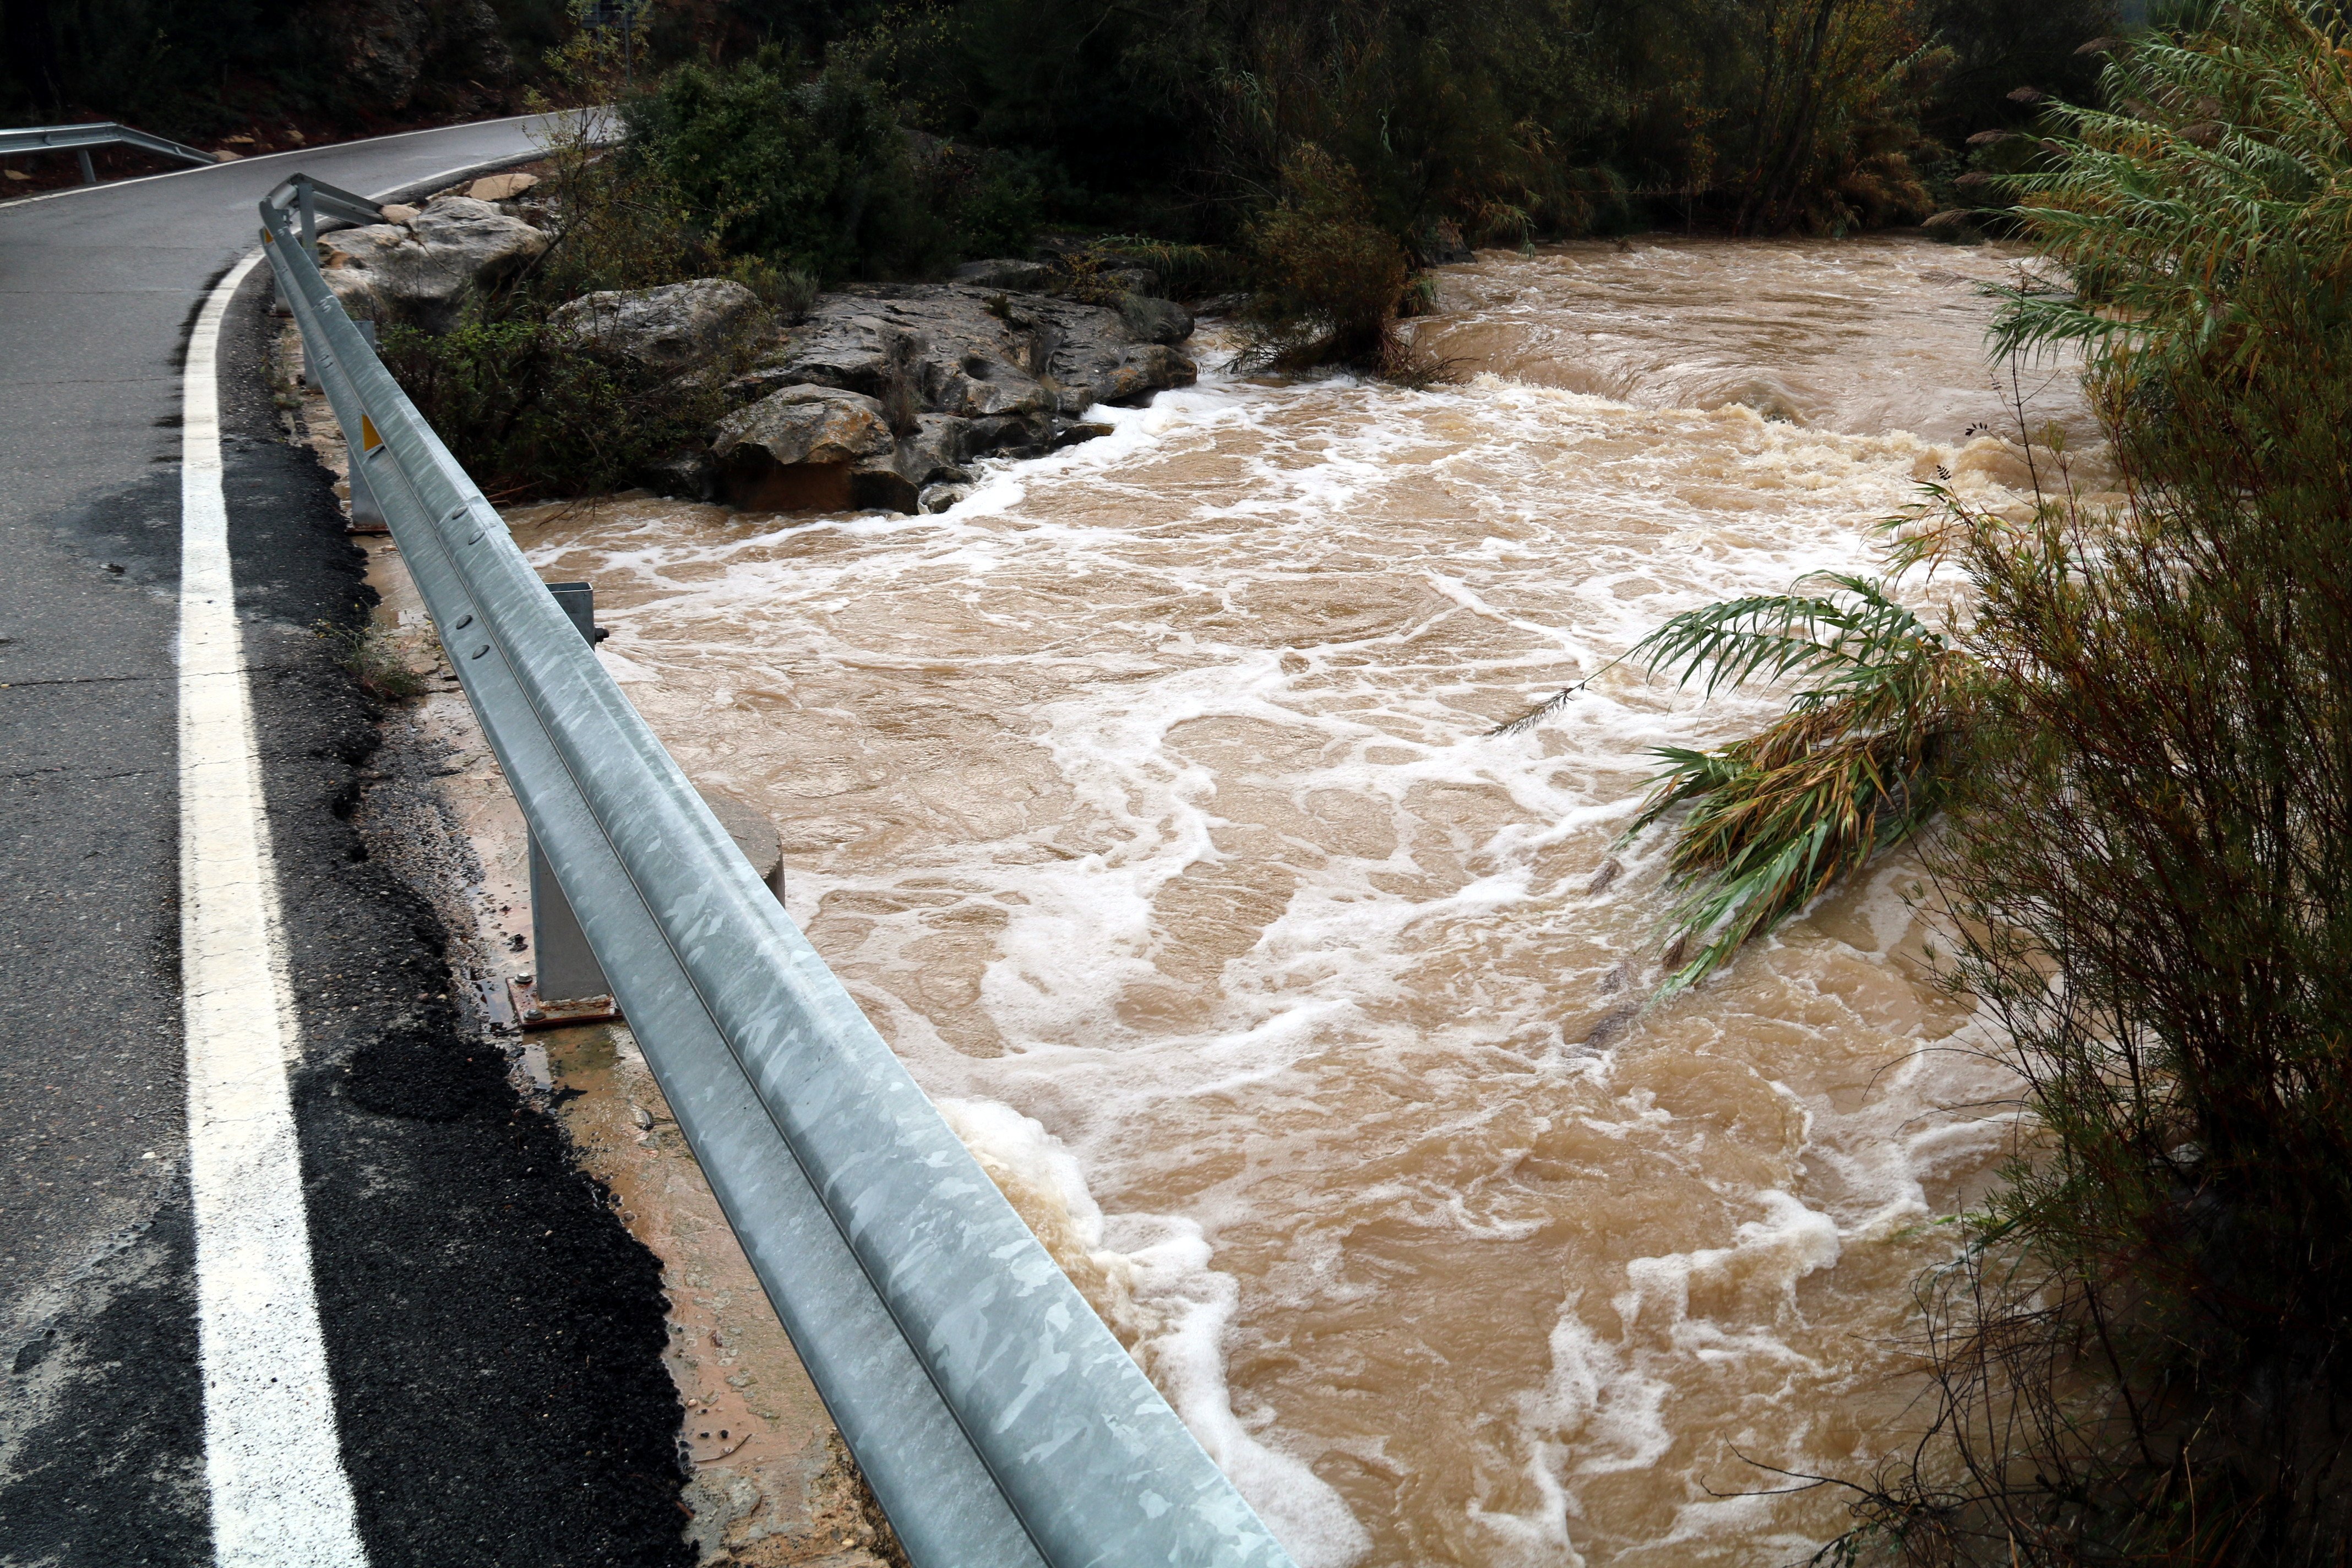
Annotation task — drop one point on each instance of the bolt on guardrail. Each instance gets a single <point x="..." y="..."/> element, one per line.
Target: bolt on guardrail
<point x="999" y="1422"/>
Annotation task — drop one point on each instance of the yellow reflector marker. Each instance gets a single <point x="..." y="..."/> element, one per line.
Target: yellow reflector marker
<point x="368" y="439"/>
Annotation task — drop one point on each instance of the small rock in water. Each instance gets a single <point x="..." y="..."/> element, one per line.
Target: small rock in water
<point x="1610" y="1025"/>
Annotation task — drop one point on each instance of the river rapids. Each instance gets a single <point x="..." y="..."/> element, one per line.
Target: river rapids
<point x="1147" y="801"/>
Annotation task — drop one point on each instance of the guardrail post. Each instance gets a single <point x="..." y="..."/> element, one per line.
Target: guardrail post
<point x="88" y="174"/>
<point x="309" y="217"/>
<point x="367" y="512"/>
<point x="566" y="964"/>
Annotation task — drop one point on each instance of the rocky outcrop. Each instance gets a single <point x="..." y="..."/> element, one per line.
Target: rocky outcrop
<point x="419" y="274"/>
<point x="976" y="354"/>
<point x="809" y="448"/>
<point x="950" y="372"/>
<point x="883" y="395"/>
<point x="665" y="331"/>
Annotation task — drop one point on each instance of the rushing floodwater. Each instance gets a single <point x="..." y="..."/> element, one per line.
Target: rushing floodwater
<point x="1145" y="802"/>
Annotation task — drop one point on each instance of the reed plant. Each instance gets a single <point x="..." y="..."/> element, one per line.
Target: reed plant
<point x="2144" y="1352"/>
<point x="1855" y="765"/>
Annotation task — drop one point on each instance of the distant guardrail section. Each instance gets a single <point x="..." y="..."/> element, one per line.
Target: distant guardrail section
<point x="80" y="139"/>
<point x="998" y="1421"/>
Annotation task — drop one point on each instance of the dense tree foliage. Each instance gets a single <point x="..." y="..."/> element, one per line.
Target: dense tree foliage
<point x="1506" y="118"/>
<point x="1491" y="120"/>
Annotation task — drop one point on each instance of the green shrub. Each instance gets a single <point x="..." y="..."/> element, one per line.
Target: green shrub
<point x="1185" y="271"/>
<point x="994" y="200"/>
<point x="812" y="176"/>
<point x="1328" y="279"/>
<point x="529" y="412"/>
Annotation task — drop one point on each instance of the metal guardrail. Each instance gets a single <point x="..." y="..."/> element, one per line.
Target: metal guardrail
<point x="999" y="1423"/>
<point x="80" y="139"/>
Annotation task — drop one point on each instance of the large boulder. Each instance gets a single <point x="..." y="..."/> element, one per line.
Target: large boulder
<point x="668" y="331"/>
<point x="420" y="274"/>
<point x="809" y="448"/>
<point x="935" y="451"/>
<point x="1155" y="320"/>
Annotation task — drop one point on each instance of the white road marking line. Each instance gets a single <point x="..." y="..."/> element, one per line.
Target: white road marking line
<point x="279" y="1496"/>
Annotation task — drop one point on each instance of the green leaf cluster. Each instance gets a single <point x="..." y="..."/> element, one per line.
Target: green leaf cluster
<point x="812" y="175"/>
<point x="530" y="411"/>
<point x="1852" y="767"/>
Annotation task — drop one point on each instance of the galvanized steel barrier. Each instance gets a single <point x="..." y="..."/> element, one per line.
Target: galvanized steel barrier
<point x="80" y="139"/>
<point x="997" y="1420"/>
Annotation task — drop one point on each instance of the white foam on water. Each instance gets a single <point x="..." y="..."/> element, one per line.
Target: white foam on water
<point x="1167" y="1295"/>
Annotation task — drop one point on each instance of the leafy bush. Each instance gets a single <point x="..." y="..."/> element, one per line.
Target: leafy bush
<point x="1328" y="279"/>
<point x="2145" y="1354"/>
<point x="811" y="177"/>
<point x="618" y="223"/>
<point x="993" y="200"/>
<point x="530" y="411"/>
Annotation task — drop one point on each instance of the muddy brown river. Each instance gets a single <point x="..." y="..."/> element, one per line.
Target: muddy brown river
<point x="1147" y="803"/>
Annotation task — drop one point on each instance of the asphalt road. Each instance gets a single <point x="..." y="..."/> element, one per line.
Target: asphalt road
<point x="492" y="1334"/>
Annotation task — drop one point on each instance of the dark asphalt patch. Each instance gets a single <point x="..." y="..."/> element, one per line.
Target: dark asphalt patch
<point x="494" y="1332"/>
<point x="113" y="1470"/>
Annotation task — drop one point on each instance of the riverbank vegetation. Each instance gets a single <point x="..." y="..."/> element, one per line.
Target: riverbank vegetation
<point x="2144" y="1354"/>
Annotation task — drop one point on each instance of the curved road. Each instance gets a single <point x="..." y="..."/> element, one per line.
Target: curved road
<point x="492" y="1337"/>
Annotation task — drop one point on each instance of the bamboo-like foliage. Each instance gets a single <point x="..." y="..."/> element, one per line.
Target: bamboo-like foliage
<point x="2217" y="156"/>
<point x="2146" y="1356"/>
<point x="1852" y="768"/>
